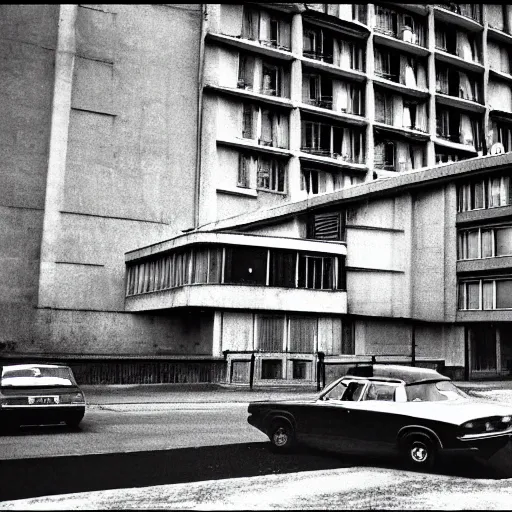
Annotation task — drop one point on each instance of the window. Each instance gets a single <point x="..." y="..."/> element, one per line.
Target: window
<point x="317" y="44"/>
<point x="504" y="294"/>
<point x="386" y="65"/>
<point x="244" y="163"/>
<point x="491" y="192"/>
<point x="485" y="242"/>
<point x="271" y="175"/>
<point x="271" y="80"/>
<point x="249" y="23"/>
<point x="283" y="268"/>
<point x="303" y="333"/>
<point x="270" y="333"/>
<point x="486" y="294"/>
<point x="300" y="369"/>
<point x="503" y="241"/>
<point x="380" y="391"/>
<point x="385" y="155"/>
<point x="383" y="108"/>
<point x="245" y="72"/>
<point x="245" y="265"/>
<point x="271" y="369"/>
<point x="247" y="121"/>
<point x="316" y="272"/>
<point x="348" y="344"/>
<point x="482" y="341"/>
<point x="386" y="21"/>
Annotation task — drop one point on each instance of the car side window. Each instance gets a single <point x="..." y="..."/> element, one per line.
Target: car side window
<point x="353" y="392"/>
<point x="380" y="391"/>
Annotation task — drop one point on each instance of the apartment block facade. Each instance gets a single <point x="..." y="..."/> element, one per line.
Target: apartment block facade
<point x="233" y="192"/>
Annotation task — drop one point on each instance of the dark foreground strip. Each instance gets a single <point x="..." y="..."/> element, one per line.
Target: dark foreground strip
<point x="27" y="478"/>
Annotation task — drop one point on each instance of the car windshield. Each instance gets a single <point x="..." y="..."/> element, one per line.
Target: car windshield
<point x="345" y="390"/>
<point x="434" y="392"/>
<point x="36" y="375"/>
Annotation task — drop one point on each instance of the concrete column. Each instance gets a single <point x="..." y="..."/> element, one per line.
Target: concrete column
<point x="432" y="127"/>
<point x="370" y="98"/>
<point x="217" y="334"/>
<point x="294" y="177"/>
<point x="61" y="108"/>
<point x="297" y="35"/>
<point x="487" y="136"/>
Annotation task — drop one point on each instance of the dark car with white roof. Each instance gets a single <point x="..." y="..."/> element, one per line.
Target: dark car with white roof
<point x="415" y="412"/>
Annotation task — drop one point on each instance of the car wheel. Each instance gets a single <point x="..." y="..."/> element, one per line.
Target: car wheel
<point x="74" y="420"/>
<point x="282" y="436"/>
<point x="418" y="451"/>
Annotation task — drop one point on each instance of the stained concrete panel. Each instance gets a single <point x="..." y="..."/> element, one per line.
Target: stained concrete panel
<point x="95" y="34"/>
<point x="93" y="86"/>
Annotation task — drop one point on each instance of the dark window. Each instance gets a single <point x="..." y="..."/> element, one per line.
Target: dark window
<point x="271" y="369"/>
<point x="282" y="268"/>
<point x="299" y="369"/>
<point x="246" y="265"/>
<point x="316" y="272"/>
<point x="348" y="338"/>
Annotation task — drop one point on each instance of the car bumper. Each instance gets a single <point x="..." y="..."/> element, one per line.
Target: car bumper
<point x="483" y="446"/>
<point x="41" y="414"/>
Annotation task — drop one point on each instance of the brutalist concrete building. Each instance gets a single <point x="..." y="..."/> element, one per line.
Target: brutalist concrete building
<point x="231" y="193"/>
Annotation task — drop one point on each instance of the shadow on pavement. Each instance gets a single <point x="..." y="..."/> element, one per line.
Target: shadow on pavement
<point x="27" y="478"/>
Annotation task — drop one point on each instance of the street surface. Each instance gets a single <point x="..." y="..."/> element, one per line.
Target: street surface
<point x="127" y="428"/>
<point x="206" y="456"/>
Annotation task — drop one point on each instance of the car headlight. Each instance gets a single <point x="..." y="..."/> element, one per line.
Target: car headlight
<point x="469" y="424"/>
<point x="506" y="419"/>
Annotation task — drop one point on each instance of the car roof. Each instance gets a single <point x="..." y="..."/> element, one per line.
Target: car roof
<point x="409" y="374"/>
<point x="24" y="366"/>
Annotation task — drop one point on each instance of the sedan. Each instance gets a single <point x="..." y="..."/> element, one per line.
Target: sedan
<point x="37" y="394"/>
<point x="415" y="412"/>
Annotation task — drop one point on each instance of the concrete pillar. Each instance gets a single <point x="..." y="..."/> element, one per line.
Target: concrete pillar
<point x="370" y="98"/>
<point x="217" y="334"/>
<point x="61" y="108"/>
<point x="432" y="127"/>
<point x="487" y="137"/>
<point x="297" y="35"/>
<point x="294" y="177"/>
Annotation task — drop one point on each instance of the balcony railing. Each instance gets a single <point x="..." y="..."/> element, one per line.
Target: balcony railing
<point x="324" y="57"/>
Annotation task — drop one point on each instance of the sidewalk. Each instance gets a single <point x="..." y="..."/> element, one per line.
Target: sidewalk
<point x="216" y="393"/>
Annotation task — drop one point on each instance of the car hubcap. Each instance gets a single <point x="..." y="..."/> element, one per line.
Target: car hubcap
<point x="419" y="453"/>
<point x="280" y="437"/>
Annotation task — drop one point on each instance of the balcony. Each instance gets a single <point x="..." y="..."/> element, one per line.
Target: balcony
<point x="228" y="270"/>
<point x="466" y="16"/>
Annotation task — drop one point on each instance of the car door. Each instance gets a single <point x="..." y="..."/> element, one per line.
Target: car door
<point x="331" y="425"/>
<point x="373" y="419"/>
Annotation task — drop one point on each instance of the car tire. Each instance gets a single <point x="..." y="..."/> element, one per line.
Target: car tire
<point x="74" y="420"/>
<point x="282" y="436"/>
<point x="418" y="451"/>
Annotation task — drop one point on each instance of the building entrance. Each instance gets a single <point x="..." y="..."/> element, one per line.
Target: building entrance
<point x="490" y="350"/>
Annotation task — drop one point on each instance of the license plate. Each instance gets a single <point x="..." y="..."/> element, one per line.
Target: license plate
<point x="43" y="400"/>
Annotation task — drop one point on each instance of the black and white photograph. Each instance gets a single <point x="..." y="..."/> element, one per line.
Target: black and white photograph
<point x="256" y="256"/>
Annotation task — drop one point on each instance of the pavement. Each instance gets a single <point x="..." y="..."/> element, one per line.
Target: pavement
<point x="218" y="393"/>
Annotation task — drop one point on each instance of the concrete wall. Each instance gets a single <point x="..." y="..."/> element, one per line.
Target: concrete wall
<point x="28" y="38"/>
<point x="123" y="150"/>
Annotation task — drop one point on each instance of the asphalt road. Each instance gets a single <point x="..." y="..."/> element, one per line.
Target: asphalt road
<point x="129" y="447"/>
<point x="126" y="428"/>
